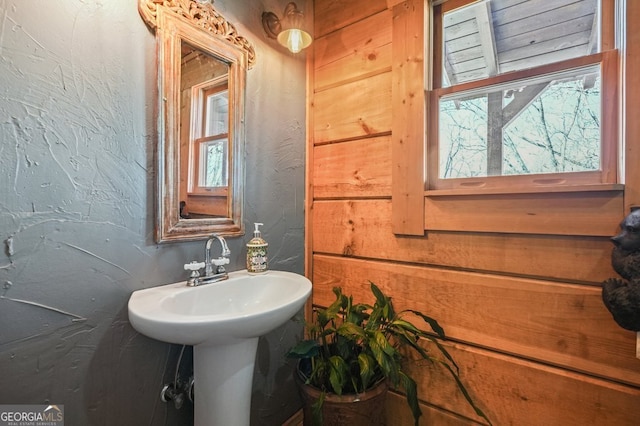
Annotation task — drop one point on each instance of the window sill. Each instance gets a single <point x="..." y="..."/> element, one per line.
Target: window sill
<point x="212" y="192"/>
<point x="477" y="190"/>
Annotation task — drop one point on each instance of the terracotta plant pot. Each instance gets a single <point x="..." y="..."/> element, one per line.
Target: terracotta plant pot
<point x="365" y="409"/>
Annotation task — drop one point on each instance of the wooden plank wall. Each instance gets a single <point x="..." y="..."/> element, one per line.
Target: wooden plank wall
<point x="523" y="312"/>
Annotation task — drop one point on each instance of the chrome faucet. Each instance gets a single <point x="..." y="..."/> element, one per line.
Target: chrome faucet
<point x="211" y="274"/>
<point x="208" y="263"/>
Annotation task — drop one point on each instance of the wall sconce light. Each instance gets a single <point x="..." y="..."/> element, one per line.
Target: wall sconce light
<point x="287" y="31"/>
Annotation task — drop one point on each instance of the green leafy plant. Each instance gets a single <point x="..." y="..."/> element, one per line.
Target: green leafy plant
<point x="352" y="346"/>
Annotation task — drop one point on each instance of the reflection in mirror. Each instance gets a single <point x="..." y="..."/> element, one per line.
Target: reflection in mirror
<point x="202" y="63"/>
<point x="204" y="135"/>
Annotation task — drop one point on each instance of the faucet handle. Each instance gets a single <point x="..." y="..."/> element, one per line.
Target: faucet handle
<point x="220" y="261"/>
<point x="194" y="277"/>
<point x="193" y="266"/>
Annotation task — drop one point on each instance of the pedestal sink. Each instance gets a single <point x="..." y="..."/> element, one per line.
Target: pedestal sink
<point x="223" y="322"/>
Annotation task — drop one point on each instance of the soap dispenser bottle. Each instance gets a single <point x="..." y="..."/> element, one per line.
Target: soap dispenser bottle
<point x="257" y="252"/>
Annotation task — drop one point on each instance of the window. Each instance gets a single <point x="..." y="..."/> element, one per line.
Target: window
<point x="524" y="94"/>
<point x="210" y="138"/>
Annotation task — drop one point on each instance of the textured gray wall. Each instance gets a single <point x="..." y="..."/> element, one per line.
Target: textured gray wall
<point x="77" y="135"/>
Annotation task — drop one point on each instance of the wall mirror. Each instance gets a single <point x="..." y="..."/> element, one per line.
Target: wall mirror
<point x="202" y="65"/>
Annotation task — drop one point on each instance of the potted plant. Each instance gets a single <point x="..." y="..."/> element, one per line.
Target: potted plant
<point x="353" y="347"/>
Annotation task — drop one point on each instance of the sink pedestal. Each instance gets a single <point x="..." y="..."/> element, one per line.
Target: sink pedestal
<point x="224" y="376"/>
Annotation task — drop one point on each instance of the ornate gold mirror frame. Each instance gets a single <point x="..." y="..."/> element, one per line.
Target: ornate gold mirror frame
<point x="195" y="27"/>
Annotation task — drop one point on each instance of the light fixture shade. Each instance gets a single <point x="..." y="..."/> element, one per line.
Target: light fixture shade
<point x="293" y="36"/>
<point x="294" y="39"/>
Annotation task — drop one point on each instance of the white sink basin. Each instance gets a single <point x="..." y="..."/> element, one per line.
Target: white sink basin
<point x="241" y="307"/>
<point x="223" y="322"/>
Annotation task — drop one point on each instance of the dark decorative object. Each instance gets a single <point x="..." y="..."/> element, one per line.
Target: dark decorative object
<point x="622" y="297"/>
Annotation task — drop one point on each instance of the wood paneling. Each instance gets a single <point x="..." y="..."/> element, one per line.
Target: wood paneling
<point x="360" y="168"/>
<point x="207" y="206"/>
<point x="564" y="325"/>
<point x="361" y="65"/>
<point x="513" y="391"/>
<point x="368" y="52"/>
<point x="362" y="228"/>
<point x="398" y="413"/>
<point x="354" y="110"/>
<point x="331" y="15"/>
<point x="514" y="279"/>
<point x="520" y="393"/>
<point x="570" y="213"/>
<point x="408" y="117"/>
<point x="632" y="124"/>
